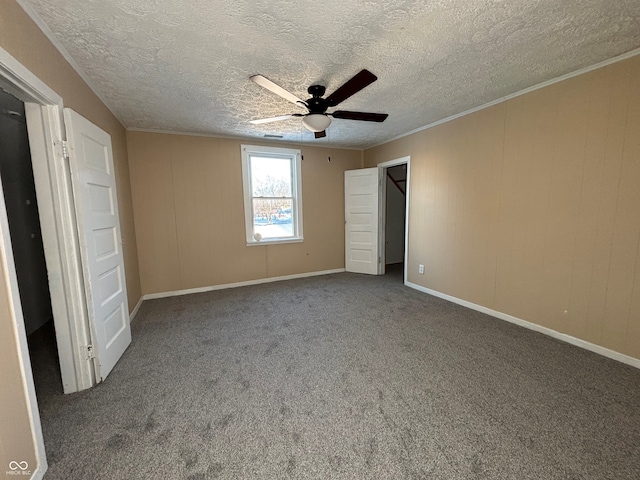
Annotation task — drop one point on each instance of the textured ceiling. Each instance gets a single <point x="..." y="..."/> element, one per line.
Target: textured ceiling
<point x="184" y="65"/>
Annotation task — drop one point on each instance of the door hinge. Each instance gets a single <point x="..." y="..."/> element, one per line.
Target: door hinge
<point x="90" y="352"/>
<point x="62" y="149"/>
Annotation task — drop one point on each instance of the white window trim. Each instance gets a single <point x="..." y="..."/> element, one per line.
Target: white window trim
<point x="296" y="188"/>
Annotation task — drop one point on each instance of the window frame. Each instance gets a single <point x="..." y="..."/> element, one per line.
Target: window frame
<point x="295" y="157"/>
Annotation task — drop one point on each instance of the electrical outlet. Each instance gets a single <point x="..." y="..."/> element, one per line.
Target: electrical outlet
<point x="421" y="269"/>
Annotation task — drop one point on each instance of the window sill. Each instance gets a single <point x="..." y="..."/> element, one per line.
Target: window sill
<point x="275" y="241"/>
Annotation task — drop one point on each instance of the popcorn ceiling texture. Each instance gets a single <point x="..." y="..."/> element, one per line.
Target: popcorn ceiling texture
<point x="185" y="65"/>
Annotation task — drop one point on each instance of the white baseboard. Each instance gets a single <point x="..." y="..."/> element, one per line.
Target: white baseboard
<point x="634" y="362"/>
<point x="135" y="309"/>
<point x="39" y="472"/>
<point x="152" y="296"/>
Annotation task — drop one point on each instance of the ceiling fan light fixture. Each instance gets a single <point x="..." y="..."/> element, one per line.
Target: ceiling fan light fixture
<point x="316" y="122"/>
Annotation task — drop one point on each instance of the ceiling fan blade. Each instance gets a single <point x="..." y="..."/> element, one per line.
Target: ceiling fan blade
<point x="277" y="89"/>
<point x="365" y="116"/>
<point x="354" y="85"/>
<point x="275" y="119"/>
<point x="321" y="134"/>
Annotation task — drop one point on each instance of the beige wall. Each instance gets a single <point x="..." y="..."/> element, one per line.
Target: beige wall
<point x="532" y="207"/>
<point x="21" y="38"/>
<point x="189" y="213"/>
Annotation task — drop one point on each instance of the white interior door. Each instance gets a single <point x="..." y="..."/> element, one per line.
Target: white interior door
<point x="361" y="220"/>
<point x="94" y="191"/>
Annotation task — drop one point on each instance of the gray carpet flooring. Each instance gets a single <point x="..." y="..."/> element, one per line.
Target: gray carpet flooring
<point x="343" y="376"/>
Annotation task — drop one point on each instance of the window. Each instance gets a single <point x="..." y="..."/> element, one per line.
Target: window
<point x="272" y="194"/>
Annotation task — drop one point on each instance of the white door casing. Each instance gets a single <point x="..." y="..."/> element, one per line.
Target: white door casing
<point x="361" y="189"/>
<point x="94" y="191"/>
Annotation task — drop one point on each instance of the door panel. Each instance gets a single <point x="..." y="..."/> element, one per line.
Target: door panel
<point x="361" y="220"/>
<point x="94" y="191"/>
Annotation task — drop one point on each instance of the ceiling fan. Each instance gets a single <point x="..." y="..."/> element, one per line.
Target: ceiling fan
<point x="317" y="119"/>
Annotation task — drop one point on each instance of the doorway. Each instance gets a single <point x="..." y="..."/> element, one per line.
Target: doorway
<point x="395" y="184"/>
<point x="45" y="126"/>
<point x="394" y="211"/>
<point x="18" y="186"/>
<point x="369" y="245"/>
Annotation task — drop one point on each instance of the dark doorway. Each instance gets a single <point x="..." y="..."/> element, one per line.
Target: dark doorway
<point x="16" y="173"/>
<point x="395" y="218"/>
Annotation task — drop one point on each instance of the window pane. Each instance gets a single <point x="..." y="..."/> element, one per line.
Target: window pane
<point x="272" y="218"/>
<point x="270" y="177"/>
<point x="272" y="188"/>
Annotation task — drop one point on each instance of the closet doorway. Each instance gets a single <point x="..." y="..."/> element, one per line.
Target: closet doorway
<point x="18" y="186"/>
